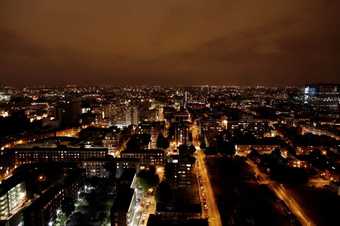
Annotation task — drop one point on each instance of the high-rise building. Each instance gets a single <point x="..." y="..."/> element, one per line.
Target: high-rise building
<point x="131" y="116"/>
<point x="68" y="113"/>
<point x="181" y="133"/>
<point x="4" y="97"/>
<point x="322" y="96"/>
<point x="185" y="99"/>
<point x="179" y="171"/>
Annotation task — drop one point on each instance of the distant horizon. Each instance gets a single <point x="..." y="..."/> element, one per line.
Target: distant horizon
<point x="64" y="85"/>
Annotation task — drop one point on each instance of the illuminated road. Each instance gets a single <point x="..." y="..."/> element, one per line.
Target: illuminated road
<point x="319" y="182"/>
<point x="214" y="217"/>
<point x="71" y="132"/>
<point x="318" y="132"/>
<point x="121" y="148"/>
<point x="283" y="194"/>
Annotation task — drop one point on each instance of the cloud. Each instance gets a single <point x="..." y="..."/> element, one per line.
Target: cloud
<point x="178" y="41"/>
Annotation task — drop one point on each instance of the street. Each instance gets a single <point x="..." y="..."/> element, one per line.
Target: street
<point x="282" y="193"/>
<point x="214" y="217"/>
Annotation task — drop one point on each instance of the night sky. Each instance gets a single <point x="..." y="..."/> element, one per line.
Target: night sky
<point x="226" y="42"/>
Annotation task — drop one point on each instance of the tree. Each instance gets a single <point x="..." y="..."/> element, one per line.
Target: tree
<point x="203" y="144"/>
<point x="162" y="142"/>
<point x="148" y="178"/>
<point x="67" y="206"/>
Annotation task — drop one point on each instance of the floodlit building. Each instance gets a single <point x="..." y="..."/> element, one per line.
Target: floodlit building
<point x="322" y="96"/>
<point x="132" y="116"/>
<point x="12" y="200"/>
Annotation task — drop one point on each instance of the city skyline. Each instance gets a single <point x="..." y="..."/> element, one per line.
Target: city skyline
<point x="169" y="156"/>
